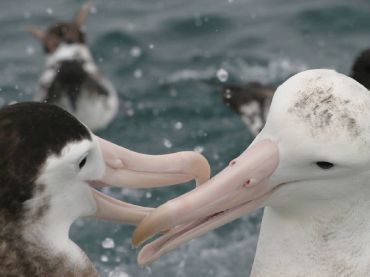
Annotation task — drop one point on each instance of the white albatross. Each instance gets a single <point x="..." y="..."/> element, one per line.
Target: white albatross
<point x="309" y="167"/>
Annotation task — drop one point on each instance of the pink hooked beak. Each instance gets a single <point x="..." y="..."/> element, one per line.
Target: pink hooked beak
<point x="240" y="188"/>
<point x="125" y="168"/>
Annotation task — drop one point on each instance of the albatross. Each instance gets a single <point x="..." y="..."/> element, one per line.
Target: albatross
<point x="253" y="99"/>
<point x="309" y="168"/>
<point x="71" y="78"/>
<point x="50" y="167"/>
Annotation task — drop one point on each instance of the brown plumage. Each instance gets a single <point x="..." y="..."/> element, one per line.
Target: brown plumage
<point x="20" y="258"/>
<point x="238" y="96"/>
<point x="251" y="101"/>
<point x="29" y="137"/>
<point x="67" y="32"/>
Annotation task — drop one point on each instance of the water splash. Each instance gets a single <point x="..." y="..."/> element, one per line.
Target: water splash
<point x="222" y="75"/>
<point x="178" y="125"/>
<point x="199" y="149"/>
<point x="167" y="143"/>
<point x="104" y="258"/>
<point x="118" y="273"/>
<point x="138" y="73"/>
<point x="135" y="52"/>
<point x="108" y="243"/>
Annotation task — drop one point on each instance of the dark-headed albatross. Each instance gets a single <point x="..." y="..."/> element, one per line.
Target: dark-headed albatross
<point x="49" y="166"/>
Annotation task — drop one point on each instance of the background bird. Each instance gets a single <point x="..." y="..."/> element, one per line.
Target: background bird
<point x="71" y="78"/>
<point x="252" y="100"/>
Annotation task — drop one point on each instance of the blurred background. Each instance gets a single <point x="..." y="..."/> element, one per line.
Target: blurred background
<point x="168" y="60"/>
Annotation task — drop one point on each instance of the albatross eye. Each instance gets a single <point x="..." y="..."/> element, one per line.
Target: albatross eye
<point x="324" y="165"/>
<point x="82" y="163"/>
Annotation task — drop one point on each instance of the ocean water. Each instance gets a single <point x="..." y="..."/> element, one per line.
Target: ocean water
<point x="167" y="60"/>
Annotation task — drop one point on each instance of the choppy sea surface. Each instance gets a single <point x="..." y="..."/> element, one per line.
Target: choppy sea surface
<point x="167" y="60"/>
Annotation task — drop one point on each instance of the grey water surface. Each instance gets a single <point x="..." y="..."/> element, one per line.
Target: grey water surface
<point x="167" y="59"/>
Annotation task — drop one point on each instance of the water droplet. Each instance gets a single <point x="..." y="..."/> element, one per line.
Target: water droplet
<point x="151" y="46"/>
<point x="130" y="112"/>
<point x="227" y="94"/>
<point x="118" y="273"/>
<point x="148" y="195"/>
<point x="104" y="258"/>
<point x="202" y="133"/>
<point x="135" y="51"/>
<point x="222" y="75"/>
<point x="30" y="50"/>
<point x="138" y="73"/>
<point x="216" y="156"/>
<point x="108" y="243"/>
<point x="167" y="143"/>
<point x="178" y="125"/>
<point x="49" y="11"/>
<point x="199" y="149"/>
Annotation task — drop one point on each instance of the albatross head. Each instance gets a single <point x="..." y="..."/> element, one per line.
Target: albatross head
<point x="314" y="148"/>
<point x="51" y="165"/>
<point x="62" y="32"/>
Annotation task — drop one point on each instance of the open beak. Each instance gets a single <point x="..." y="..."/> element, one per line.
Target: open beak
<point x="240" y="188"/>
<point x="126" y="168"/>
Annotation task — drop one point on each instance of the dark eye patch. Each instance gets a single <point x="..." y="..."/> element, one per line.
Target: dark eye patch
<point x="324" y="165"/>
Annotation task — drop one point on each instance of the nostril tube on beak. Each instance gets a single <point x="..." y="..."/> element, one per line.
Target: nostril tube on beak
<point x="247" y="184"/>
<point x="250" y="183"/>
<point x="233" y="162"/>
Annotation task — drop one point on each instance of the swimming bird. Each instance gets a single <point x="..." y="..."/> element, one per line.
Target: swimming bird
<point x="309" y="167"/>
<point x="50" y="165"/>
<point x="360" y="70"/>
<point x="252" y="101"/>
<point x="71" y="79"/>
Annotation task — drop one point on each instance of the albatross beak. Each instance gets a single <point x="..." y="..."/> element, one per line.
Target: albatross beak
<point x="238" y="189"/>
<point x="125" y="168"/>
